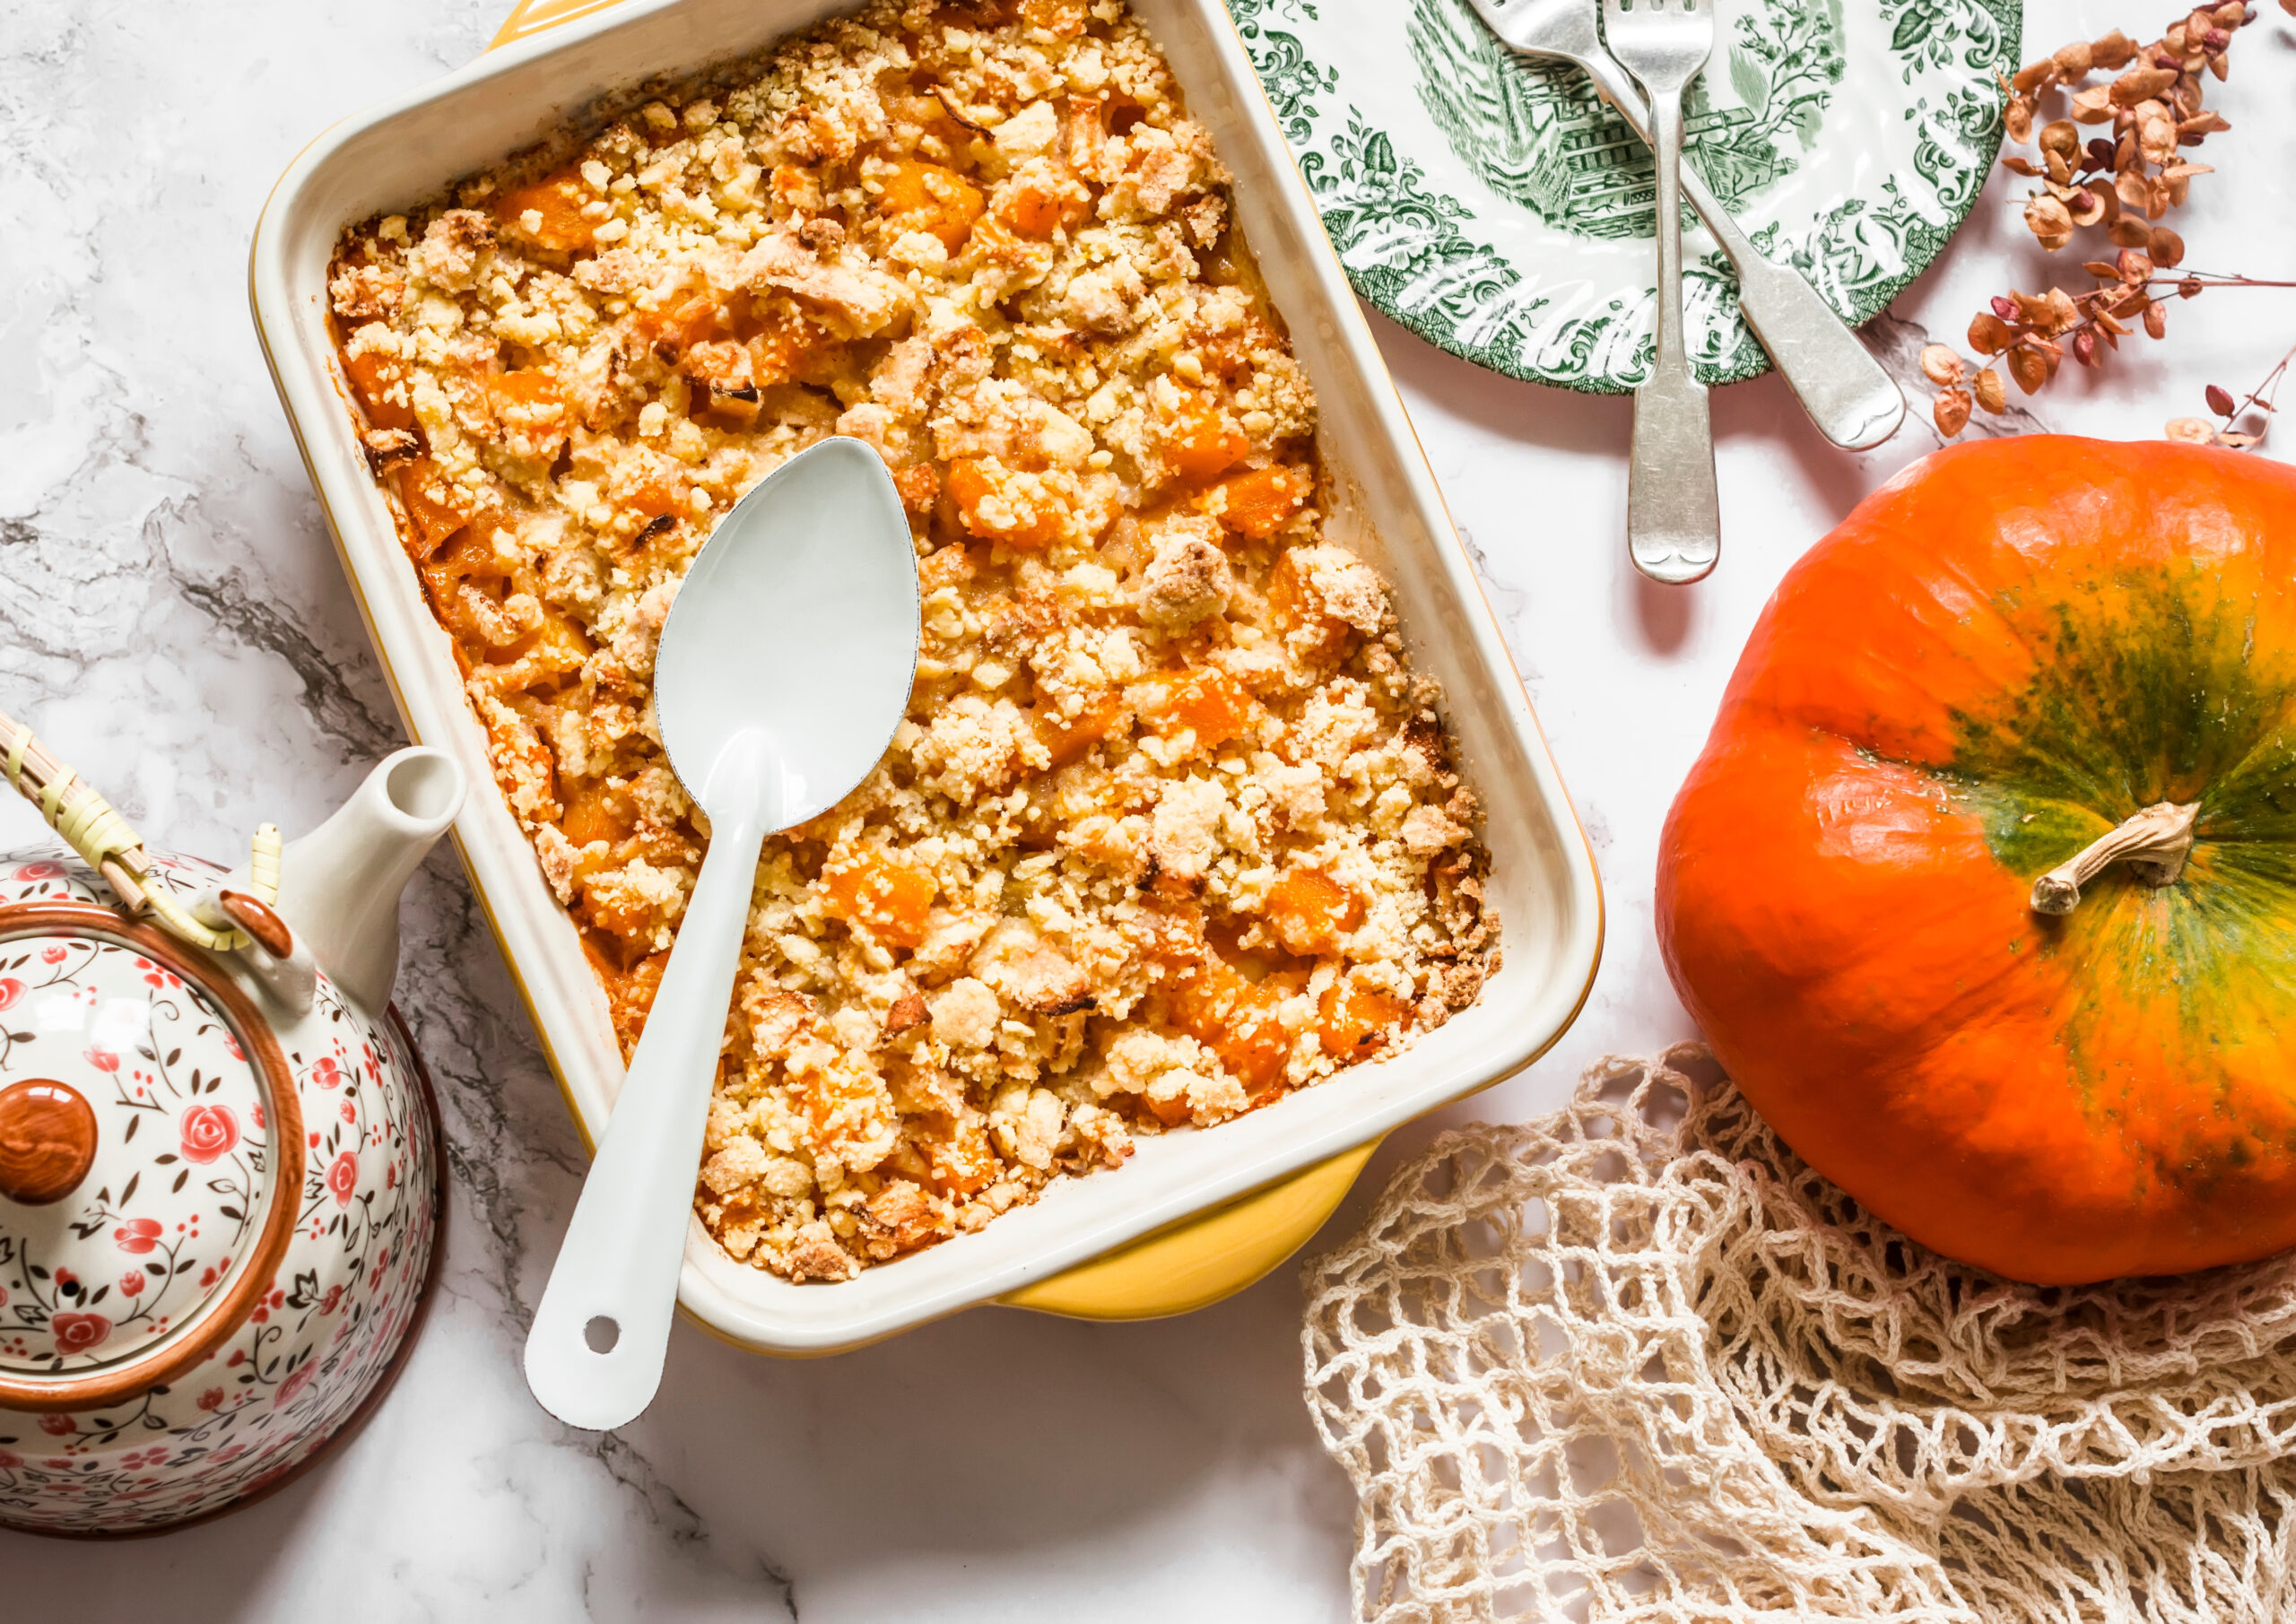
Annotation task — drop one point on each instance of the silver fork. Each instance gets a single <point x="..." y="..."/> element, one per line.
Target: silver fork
<point x="1840" y="385"/>
<point x="1674" y="517"/>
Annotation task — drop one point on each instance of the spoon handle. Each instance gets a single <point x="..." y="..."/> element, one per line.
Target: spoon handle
<point x="615" y="1281"/>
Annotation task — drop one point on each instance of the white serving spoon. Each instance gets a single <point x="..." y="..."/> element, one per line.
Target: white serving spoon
<point x="785" y="666"/>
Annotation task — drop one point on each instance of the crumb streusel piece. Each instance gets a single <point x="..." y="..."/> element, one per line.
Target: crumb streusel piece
<point x="1170" y="828"/>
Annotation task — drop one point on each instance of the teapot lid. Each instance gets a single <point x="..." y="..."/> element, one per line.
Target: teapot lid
<point x="151" y="1149"/>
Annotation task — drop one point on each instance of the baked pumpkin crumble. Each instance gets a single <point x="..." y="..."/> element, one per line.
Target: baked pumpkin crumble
<point x="1170" y="828"/>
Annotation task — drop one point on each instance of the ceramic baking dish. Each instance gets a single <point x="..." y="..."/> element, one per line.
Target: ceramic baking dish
<point x="1193" y="1215"/>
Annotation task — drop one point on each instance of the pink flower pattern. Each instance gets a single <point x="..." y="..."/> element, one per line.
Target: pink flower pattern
<point x="209" y="1131"/>
<point x="292" y="1387"/>
<point x="78" y="1333"/>
<point x="273" y="1390"/>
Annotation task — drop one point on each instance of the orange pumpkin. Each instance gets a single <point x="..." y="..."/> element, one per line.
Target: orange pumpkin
<point x="1984" y="888"/>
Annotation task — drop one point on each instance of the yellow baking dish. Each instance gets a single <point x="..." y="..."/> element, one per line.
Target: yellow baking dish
<point x="1194" y="1216"/>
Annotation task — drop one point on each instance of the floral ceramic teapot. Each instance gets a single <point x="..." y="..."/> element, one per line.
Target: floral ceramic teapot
<point x="219" y="1185"/>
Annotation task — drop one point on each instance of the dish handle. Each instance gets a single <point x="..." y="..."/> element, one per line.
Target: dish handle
<point x="1200" y="1260"/>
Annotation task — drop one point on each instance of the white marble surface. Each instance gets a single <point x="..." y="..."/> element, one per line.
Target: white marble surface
<point x="172" y="618"/>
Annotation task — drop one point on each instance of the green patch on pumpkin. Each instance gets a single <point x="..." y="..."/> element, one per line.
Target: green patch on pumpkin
<point x="2146" y="689"/>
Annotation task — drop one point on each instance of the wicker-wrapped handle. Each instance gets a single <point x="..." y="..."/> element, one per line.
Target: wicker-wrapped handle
<point x="109" y="844"/>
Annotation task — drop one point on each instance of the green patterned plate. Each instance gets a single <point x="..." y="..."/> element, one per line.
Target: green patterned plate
<point x="1492" y="204"/>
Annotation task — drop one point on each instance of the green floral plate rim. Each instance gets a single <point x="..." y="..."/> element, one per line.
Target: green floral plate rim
<point x="1491" y="204"/>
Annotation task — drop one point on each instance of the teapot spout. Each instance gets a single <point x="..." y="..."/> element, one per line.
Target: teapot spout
<point x="339" y="885"/>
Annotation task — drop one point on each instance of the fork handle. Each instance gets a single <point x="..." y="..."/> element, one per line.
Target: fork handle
<point x="1673" y="513"/>
<point x="1844" y="389"/>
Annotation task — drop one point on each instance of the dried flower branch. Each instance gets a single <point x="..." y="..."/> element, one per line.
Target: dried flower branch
<point x="2257" y="406"/>
<point x="2118" y="184"/>
<point x="2030" y="333"/>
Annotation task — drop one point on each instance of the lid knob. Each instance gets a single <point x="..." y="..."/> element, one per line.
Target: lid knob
<point x="47" y="1142"/>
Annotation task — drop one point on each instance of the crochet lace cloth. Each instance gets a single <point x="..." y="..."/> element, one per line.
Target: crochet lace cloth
<point x="1637" y="1361"/>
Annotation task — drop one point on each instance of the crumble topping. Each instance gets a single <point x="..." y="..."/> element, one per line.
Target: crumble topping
<point x="1172" y="827"/>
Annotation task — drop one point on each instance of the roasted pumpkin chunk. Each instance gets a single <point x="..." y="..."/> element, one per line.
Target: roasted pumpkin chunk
<point x="1310" y="913"/>
<point x="887" y="893"/>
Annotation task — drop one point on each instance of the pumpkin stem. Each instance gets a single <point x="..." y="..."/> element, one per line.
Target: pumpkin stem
<point x="2154" y="844"/>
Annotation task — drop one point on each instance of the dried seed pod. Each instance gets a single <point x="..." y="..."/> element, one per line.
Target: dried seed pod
<point x="2113" y="51"/>
<point x="2134" y="266"/>
<point x="1952" y="411"/>
<point x="2192" y="430"/>
<point x="2017" y="120"/>
<point x="2166" y="248"/>
<point x="2063" y="313"/>
<point x="1991" y="392"/>
<point x="2156" y="321"/>
<point x="2128" y="231"/>
<point x="2156" y="132"/>
<point x="2093" y="105"/>
<point x="2049" y="220"/>
<point x="2059" y="136"/>
<point x="2074" y="60"/>
<point x="2084" y="347"/>
<point x="2134" y="193"/>
<point x="2220" y="400"/>
<point x="1988" y="333"/>
<point x="2087" y="206"/>
<point x="2032" y="76"/>
<point x="2140" y="84"/>
<point x="1942" y="364"/>
<point x="2028" y="369"/>
<point x="2005" y="307"/>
